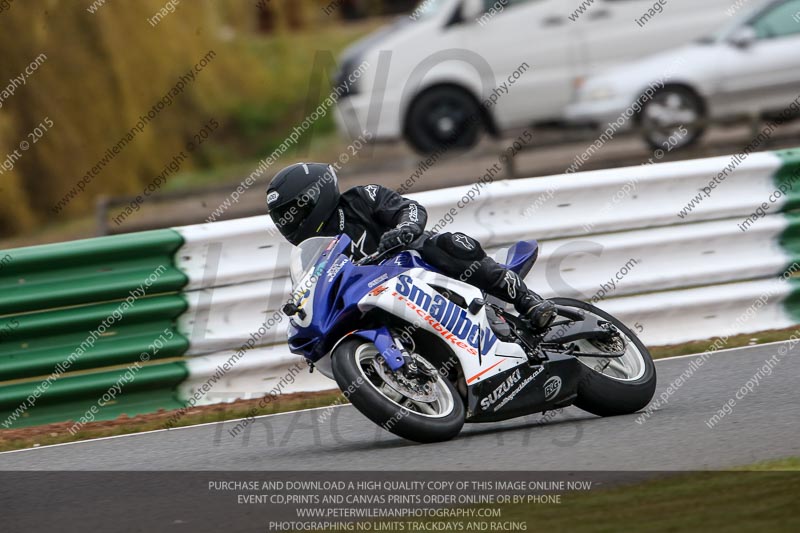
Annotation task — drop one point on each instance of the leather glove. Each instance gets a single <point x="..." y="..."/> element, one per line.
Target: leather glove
<point x="399" y="236"/>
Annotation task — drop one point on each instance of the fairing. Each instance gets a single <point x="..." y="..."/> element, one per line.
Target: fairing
<point x="411" y="292"/>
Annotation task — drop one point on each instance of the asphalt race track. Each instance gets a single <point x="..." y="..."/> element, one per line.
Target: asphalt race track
<point x="764" y="424"/>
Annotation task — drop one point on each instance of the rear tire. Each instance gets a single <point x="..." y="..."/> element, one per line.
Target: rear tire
<point x="602" y="395"/>
<point x="363" y="392"/>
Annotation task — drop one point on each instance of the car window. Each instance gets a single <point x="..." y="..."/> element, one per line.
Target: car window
<point x="778" y="21"/>
<point x="488" y="5"/>
<point x="428" y="9"/>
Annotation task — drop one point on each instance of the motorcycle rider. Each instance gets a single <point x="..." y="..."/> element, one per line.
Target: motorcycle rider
<point x="303" y="201"/>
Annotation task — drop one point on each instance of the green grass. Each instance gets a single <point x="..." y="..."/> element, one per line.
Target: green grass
<point x="15" y="439"/>
<point x="782" y="465"/>
<point x="755" y="501"/>
<point x="747" y="339"/>
<point x="325" y="146"/>
<point x="295" y="85"/>
<point x="756" y="498"/>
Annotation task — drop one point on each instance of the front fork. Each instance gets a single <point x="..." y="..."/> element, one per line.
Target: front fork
<point x="394" y="353"/>
<point x="385" y="343"/>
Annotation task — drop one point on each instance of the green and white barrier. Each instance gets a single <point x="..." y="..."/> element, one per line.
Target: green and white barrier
<point x="191" y="314"/>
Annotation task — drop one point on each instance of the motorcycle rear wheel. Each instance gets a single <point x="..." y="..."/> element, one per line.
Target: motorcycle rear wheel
<point x="354" y="370"/>
<point x="609" y="386"/>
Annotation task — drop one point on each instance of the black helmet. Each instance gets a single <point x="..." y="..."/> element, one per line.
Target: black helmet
<point x="301" y="198"/>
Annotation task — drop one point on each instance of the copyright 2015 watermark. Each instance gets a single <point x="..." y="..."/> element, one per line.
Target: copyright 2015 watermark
<point x="749" y="386"/>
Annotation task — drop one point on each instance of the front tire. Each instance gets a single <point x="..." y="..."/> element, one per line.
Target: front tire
<point x="354" y="369"/>
<point x="610" y="387"/>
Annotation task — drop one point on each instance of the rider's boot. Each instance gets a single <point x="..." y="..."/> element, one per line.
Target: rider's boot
<point x="537" y="310"/>
<point x="509" y="286"/>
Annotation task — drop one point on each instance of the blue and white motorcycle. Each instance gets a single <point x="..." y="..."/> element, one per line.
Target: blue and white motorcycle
<point x="420" y="353"/>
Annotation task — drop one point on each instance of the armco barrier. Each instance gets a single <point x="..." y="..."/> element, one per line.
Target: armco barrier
<point x="213" y="308"/>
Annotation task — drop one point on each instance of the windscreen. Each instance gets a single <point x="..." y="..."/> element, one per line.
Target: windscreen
<point x="305" y="256"/>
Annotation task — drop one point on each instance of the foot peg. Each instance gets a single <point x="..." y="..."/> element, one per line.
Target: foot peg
<point x="499" y="325"/>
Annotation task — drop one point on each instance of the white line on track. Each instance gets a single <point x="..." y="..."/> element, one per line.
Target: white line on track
<point x="665" y="359"/>
<point x="171" y="429"/>
<point x="726" y="350"/>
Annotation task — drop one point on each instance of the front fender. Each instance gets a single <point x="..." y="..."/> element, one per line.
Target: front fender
<point x="383" y="341"/>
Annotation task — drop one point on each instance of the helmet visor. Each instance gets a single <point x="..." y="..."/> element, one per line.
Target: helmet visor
<point x="291" y="215"/>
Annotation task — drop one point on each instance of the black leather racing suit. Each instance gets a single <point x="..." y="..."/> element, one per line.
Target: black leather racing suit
<point x="365" y="213"/>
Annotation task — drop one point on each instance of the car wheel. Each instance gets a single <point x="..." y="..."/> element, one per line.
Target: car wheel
<point x="443" y="118"/>
<point x="673" y="118"/>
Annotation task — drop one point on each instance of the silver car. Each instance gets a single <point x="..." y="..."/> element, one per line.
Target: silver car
<point x="751" y="67"/>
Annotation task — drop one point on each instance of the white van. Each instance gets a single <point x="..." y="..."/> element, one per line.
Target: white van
<point x="455" y="68"/>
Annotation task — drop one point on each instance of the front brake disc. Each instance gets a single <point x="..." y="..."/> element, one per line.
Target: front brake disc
<point x="403" y="385"/>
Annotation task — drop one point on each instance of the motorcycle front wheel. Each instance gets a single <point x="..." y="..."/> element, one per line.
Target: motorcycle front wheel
<point x="422" y="409"/>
